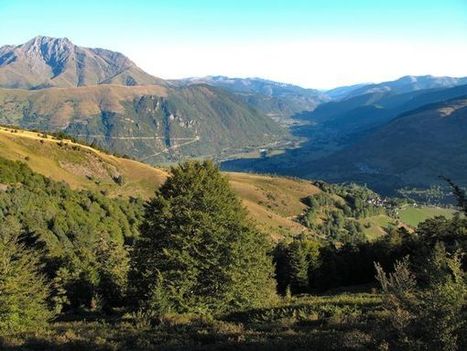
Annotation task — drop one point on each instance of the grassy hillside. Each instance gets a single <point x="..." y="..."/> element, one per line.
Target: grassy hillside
<point x="273" y="202"/>
<point x="78" y="165"/>
<point x="414" y="215"/>
<point x="329" y="322"/>
<point x="277" y="204"/>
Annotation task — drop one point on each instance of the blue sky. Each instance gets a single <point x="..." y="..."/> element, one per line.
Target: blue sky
<point x="314" y="43"/>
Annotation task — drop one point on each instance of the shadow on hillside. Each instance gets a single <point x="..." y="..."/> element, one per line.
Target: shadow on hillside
<point x="331" y="340"/>
<point x="37" y="344"/>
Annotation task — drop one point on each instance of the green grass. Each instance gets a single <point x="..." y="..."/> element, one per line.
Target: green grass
<point x="414" y="215"/>
<point x="333" y="322"/>
<point x="374" y="226"/>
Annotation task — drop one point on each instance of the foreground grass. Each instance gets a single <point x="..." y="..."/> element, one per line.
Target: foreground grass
<point x="340" y="322"/>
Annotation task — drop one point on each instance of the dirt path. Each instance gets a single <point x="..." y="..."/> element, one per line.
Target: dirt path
<point x="191" y="141"/>
<point x="127" y="137"/>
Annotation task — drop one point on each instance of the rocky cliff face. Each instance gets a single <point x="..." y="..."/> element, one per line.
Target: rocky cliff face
<point x="46" y="62"/>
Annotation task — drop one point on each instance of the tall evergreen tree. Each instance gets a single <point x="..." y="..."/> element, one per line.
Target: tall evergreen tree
<point x="198" y="251"/>
<point x="23" y="291"/>
<point x="112" y="262"/>
<point x="299" y="264"/>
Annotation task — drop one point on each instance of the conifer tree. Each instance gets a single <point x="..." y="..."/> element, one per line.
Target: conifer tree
<point x="23" y="290"/>
<point x="298" y="267"/>
<point x="198" y="251"/>
<point x="112" y="262"/>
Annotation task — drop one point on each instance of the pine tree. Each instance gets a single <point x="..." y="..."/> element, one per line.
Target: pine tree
<point x="112" y="262"/>
<point x="23" y="290"/>
<point x="298" y="260"/>
<point x="198" y="248"/>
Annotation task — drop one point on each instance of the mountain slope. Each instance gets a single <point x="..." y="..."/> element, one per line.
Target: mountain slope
<point x="277" y="100"/>
<point x="371" y="110"/>
<point x="56" y="62"/>
<point x="411" y="150"/>
<point x="339" y="93"/>
<point x="152" y="123"/>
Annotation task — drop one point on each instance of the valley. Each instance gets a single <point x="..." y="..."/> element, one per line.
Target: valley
<point x="336" y="130"/>
<point x="246" y="124"/>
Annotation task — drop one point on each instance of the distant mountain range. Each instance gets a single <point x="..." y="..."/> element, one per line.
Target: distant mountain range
<point x="415" y="149"/>
<point x="402" y="85"/>
<point x="277" y="100"/>
<point x="389" y="135"/>
<point x="387" y="138"/>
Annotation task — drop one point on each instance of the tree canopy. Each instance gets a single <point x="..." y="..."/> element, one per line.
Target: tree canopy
<point x="198" y="251"/>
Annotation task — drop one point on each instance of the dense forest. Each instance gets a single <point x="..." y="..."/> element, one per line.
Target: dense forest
<point x="189" y="269"/>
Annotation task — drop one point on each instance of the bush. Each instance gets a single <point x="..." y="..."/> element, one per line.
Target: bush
<point x="428" y="317"/>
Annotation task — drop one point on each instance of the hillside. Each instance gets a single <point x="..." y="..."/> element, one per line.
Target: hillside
<point x="44" y="62"/>
<point x="278" y="100"/>
<point x="412" y="150"/>
<point x="282" y="207"/>
<point x="273" y="202"/>
<point x="370" y="110"/>
<point x="152" y="123"/>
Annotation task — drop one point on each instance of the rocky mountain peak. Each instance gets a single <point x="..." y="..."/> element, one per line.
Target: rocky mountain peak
<point x="44" y="62"/>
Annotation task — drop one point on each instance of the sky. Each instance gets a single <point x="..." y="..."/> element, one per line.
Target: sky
<point x="311" y="43"/>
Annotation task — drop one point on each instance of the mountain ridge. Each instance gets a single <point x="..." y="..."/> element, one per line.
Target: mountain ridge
<point x="44" y="62"/>
<point x="276" y="99"/>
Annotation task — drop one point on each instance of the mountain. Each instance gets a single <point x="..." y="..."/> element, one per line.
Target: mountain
<point x="277" y="100"/>
<point x="344" y="91"/>
<point x="370" y="110"/>
<point x="44" y="62"/>
<point x="402" y="85"/>
<point x="412" y="150"/>
<point x="151" y="123"/>
<point x="103" y="98"/>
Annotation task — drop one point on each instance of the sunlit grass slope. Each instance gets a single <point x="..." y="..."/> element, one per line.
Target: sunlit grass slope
<point x="272" y="201"/>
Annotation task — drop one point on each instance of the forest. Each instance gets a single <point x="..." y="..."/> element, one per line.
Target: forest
<point x="188" y="269"/>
